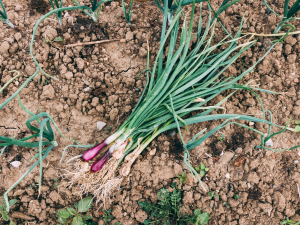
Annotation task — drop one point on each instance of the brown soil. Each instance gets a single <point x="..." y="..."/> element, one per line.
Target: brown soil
<point x="97" y="83"/>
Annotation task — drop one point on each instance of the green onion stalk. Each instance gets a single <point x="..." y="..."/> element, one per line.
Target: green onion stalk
<point x="186" y="82"/>
<point x="3" y="16"/>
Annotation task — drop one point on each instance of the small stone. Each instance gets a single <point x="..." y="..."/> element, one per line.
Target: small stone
<point x="296" y="161"/>
<point x="18" y="36"/>
<point x="152" y="152"/>
<point x="227" y="175"/>
<point x="100" y="125"/>
<point x="79" y="63"/>
<point x="142" y="52"/>
<point x="248" y="185"/>
<point x="69" y="75"/>
<point x="296" y="80"/>
<point x="122" y="40"/>
<point x="87" y="89"/>
<point x="4" y="48"/>
<point x="15" y="164"/>
<point x="30" y="70"/>
<point x="129" y="36"/>
<point x="269" y="142"/>
<point x="48" y="92"/>
<point x="251" y="123"/>
<point x="18" y="8"/>
<point x="50" y="32"/>
<point x="19" y="215"/>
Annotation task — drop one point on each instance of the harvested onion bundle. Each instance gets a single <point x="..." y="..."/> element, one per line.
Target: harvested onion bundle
<point x="187" y="81"/>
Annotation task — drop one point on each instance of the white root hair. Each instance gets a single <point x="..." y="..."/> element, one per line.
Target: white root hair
<point x="101" y="184"/>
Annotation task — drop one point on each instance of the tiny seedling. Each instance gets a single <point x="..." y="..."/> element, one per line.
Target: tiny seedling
<point x="57" y="5"/>
<point x="3" y="16"/>
<point x="225" y="204"/>
<point x="74" y="215"/>
<point x="106" y="216"/>
<point x="297" y="128"/>
<point x="129" y="13"/>
<point x="55" y="183"/>
<point x="213" y="194"/>
<point x="222" y="138"/>
<point x="182" y="178"/>
<point x="4" y="206"/>
<point x="290" y="222"/>
<point x="108" y="129"/>
<point x="202" y="169"/>
<point x="236" y="197"/>
<point x="167" y="210"/>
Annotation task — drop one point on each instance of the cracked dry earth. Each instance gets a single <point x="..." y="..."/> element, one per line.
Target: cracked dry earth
<point x="98" y="83"/>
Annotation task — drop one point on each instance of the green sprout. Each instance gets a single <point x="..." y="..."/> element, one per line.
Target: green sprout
<point x="106" y="216"/>
<point x="236" y="197"/>
<point x="222" y="138"/>
<point x="129" y="13"/>
<point x="182" y="178"/>
<point x="74" y="215"/>
<point x="290" y="222"/>
<point x="4" y="206"/>
<point x="202" y="169"/>
<point x="297" y="128"/>
<point x="3" y="16"/>
<point x="56" y="5"/>
<point x="213" y="194"/>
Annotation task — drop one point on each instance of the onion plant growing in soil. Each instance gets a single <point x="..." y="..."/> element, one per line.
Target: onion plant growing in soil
<point x="289" y="13"/>
<point x="186" y="81"/>
<point x="43" y="133"/>
<point x="3" y="15"/>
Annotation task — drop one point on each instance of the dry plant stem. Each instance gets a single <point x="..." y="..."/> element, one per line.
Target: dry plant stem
<point x="90" y="43"/>
<point x="272" y="35"/>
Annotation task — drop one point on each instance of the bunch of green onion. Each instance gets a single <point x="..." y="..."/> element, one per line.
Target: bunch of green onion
<point x="184" y="83"/>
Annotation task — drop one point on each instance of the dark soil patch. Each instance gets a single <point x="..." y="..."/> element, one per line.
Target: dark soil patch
<point x="39" y="5"/>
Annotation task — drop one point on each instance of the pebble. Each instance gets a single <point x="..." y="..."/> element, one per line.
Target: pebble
<point x="249" y="185"/>
<point x="227" y="175"/>
<point x="296" y="80"/>
<point x="296" y="161"/>
<point x="269" y="143"/>
<point x="87" y="89"/>
<point x="152" y="152"/>
<point x="100" y="125"/>
<point x="122" y="40"/>
<point x="251" y="123"/>
<point x="16" y="164"/>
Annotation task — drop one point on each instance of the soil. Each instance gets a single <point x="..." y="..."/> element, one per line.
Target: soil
<point x="98" y="83"/>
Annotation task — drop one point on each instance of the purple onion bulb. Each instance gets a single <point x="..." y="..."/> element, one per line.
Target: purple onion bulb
<point x="101" y="162"/>
<point x="91" y="153"/>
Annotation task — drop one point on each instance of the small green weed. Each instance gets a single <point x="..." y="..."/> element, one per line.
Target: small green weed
<point x="107" y="217"/>
<point x="213" y="194"/>
<point x="3" y="207"/>
<point x="297" y="128"/>
<point x="225" y="204"/>
<point x="290" y="222"/>
<point x="236" y="197"/>
<point x="55" y="183"/>
<point x="74" y="215"/>
<point x="202" y="169"/>
<point x="108" y="129"/>
<point x="182" y="178"/>
<point x="167" y="210"/>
